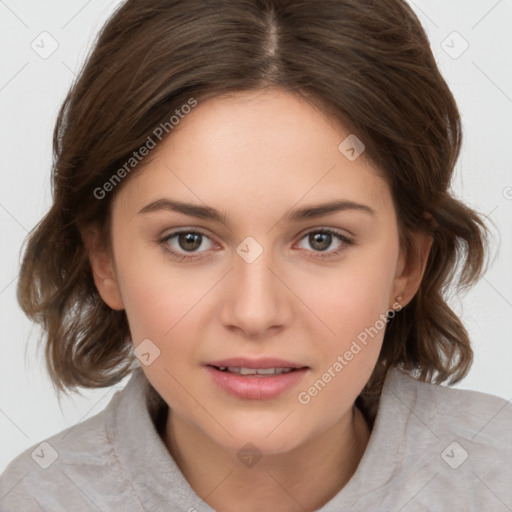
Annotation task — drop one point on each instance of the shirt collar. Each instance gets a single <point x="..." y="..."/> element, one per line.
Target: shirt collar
<point x="156" y="478"/>
<point x="160" y="485"/>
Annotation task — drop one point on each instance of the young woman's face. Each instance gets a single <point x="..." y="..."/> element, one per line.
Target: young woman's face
<point x="257" y="274"/>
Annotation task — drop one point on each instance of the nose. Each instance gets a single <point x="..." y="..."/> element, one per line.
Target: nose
<point x="256" y="302"/>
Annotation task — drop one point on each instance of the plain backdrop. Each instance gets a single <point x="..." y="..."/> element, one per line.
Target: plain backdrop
<point x="472" y="42"/>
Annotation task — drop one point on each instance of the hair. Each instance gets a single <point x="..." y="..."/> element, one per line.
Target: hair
<point x="368" y="63"/>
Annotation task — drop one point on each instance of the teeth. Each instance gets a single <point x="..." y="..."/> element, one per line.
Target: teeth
<point x="255" y="371"/>
<point x="269" y="371"/>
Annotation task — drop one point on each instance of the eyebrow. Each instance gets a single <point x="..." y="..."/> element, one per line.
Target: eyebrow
<point x="209" y="213"/>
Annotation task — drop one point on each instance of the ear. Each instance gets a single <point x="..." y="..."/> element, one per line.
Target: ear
<point x="411" y="267"/>
<point x="102" y="266"/>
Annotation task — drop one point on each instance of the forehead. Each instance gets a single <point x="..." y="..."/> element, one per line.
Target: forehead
<point x="258" y="149"/>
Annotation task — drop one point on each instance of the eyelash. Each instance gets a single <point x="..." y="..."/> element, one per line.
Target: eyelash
<point x="346" y="242"/>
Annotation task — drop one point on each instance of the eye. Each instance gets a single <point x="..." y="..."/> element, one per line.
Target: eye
<point x="186" y="244"/>
<point x="185" y="241"/>
<point x="321" y="239"/>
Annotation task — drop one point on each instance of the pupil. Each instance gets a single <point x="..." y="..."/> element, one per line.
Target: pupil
<point x="321" y="239"/>
<point x="189" y="241"/>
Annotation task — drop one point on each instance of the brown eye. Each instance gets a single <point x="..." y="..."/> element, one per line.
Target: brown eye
<point x="189" y="241"/>
<point x="320" y="241"/>
<point x="186" y="244"/>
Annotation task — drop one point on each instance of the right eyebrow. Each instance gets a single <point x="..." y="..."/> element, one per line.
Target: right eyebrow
<point x="193" y="210"/>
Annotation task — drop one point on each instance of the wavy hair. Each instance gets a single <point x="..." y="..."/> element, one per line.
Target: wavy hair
<point x="367" y="63"/>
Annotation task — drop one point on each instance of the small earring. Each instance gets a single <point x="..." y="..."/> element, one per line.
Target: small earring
<point x="397" y="306"/>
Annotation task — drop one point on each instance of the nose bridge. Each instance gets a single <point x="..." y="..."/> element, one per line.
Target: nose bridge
<point x="257" y="299"/>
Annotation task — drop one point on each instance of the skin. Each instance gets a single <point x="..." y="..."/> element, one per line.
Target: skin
<point x="255" y="156"/>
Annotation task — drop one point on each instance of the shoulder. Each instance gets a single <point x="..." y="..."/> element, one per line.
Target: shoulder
<point x="455" y="442"/>
<point x="460" y="411"/>
<point x="72" y="470"/>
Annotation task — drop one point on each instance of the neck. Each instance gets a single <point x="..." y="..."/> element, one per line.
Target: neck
<point x="304" y="478"/>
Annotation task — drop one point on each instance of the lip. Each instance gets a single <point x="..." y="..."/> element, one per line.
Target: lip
<point x="253" y="387"/>
<point x="265" y="362"/>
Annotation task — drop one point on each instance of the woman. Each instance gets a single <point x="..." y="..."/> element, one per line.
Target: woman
<point x="251" y="215"/>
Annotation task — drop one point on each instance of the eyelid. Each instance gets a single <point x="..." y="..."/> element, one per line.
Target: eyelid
<point x="341" y="232"/>
<point x="199" y="231"/>
<point x="345" y="242"/>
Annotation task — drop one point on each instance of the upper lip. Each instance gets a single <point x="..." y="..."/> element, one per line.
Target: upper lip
<point x="266" y="362"/>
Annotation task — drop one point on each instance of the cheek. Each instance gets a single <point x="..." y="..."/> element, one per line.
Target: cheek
<point x="354" y="307"/>
<point x="356" y="296"/>
<point x="155" y="292"/>
<point x="158" y="304"/>
<point x="169" y="306"/>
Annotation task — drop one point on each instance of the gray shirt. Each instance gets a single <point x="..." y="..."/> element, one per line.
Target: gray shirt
<point x="432" y="448"/>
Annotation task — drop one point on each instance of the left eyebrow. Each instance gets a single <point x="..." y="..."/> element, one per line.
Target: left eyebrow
<point x="319" y="210"/>
<point x="298" y="214"/>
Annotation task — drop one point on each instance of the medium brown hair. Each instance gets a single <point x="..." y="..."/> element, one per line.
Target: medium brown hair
<point x="367" y="63"/>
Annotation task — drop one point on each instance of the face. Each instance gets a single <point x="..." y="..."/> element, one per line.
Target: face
<point x="251" y="279"/>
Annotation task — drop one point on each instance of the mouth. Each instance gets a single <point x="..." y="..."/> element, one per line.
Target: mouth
<point x="260" y="372"/>
<point x="235" y="364"/>
<point x="255" y="379"/>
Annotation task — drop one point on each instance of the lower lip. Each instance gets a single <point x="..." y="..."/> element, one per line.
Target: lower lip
<point x="253" y="387"/>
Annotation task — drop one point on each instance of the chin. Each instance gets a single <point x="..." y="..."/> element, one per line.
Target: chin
<point x="268" y="440"/>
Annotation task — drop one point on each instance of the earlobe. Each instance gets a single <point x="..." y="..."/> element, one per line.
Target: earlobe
<point x="102" y="267"/>
<point x="411" y="267"/>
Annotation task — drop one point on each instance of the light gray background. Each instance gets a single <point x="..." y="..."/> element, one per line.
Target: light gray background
<point x="32" y="89"/>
